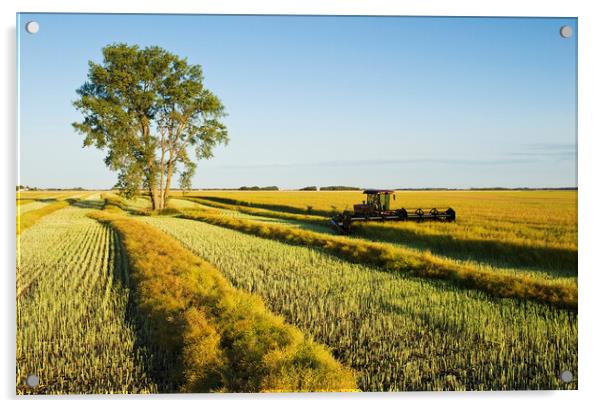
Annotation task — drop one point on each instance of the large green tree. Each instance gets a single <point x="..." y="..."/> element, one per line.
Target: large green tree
<point x="150" y="111"/>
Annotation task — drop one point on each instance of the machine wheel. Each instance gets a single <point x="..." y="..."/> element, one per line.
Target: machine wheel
<point x="402" y="214"/>
<point x="451" y="215"/>
<point x="347" y="223"/>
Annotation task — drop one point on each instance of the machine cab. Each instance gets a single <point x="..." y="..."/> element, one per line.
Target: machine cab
<point x="377" y="201"/>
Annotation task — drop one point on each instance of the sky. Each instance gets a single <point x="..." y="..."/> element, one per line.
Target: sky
<point x="382" y="102"/>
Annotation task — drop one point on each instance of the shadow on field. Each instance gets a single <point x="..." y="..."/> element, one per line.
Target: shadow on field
<point x="161" y="367"/>
<point x="274" y="207"/>
<point x="293" y="224"/>
<point x="557" y="262"/>
<point x="90" y="204"/>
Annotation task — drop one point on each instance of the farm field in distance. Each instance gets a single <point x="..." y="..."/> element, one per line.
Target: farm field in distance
<point x="547" y="218"/>
<point x="529" y="230"/>
<point x="486" y="303"/>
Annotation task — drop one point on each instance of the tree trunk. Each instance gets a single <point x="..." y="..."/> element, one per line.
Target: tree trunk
<point x="162" y="170"/>
<point x="151" y="176"/>
<point x="167" y="183"/>
<point x="155" y="199"/>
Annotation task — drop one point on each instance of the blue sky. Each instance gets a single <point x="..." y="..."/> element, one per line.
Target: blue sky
<point x="387" y="102"/>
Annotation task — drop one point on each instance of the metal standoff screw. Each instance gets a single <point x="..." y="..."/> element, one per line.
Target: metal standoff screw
<point x="566" y="376"/>
<point x="32" y="380"/>
<point x="566" y="31"/>
<point x="32" y="27"/>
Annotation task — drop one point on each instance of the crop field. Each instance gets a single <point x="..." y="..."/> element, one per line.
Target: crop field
<point x="73" y="328"/>
<point x="113" y="297"/>
<point x="548" y="216"/>
<point x="34" y="200"/>
<point x="399" y="334"/>
<point x="530" y="229"/>
<point x="527" y="217"/>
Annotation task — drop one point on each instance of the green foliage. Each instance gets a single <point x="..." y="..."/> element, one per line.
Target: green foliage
<point x="561" y="294"/>
<point x="227" y="339"/>
<point x="149" y="109"/>
<point x="309" y="188"/>
<point x="186" y="177"/>
<point x="129" y="181"/>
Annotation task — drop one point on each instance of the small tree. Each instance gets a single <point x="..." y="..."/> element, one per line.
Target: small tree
<point x="150" y="111"/>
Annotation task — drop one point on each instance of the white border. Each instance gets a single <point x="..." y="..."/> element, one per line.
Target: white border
<point x="590" y="66"/>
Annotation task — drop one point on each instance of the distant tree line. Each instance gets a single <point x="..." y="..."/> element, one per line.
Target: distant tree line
<point x="28" y="188"/>
<point x="257" y="188"/>
<point x="338" y="188"/>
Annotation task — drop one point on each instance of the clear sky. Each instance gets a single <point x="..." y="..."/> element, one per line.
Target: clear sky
<point x="387" y="102"/>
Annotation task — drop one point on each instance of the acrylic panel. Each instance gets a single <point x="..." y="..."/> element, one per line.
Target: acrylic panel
<point x="295" y="203"/>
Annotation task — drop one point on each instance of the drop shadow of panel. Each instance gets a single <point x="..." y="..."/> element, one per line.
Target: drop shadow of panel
<point x="557" y="262"/>
<point x="161" y="367"/>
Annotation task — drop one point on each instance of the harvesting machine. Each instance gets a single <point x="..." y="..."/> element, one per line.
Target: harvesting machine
<point x="377" y="207"/>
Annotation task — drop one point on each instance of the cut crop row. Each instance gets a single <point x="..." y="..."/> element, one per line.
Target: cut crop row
<point x="560" y="293"/>
<point x="29" y="218"/>
<point x="74" y="330"/>
<point x="398" y="332"/>
<point x="524" y="218"/>
<point x="450" y="240"/>
<point x="226" y="339"/>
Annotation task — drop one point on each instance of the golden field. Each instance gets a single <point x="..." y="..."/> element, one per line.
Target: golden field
<point x="539" y="217"/>
<point x="252" y="291"/>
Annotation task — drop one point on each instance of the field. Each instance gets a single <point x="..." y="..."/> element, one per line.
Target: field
<point x="251" y="291"/>
<point x="534" y="219"/>
<point x="73" y="326"/>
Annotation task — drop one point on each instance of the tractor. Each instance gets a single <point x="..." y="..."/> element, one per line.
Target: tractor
<point x="377" y="207"/>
